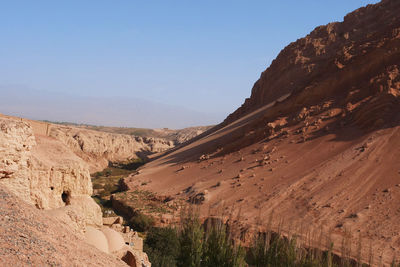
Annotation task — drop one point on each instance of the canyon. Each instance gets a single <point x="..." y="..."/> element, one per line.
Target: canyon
<point x="48" y="166"/>
<point x="316" y="144"/>
<point x="314" y="151"/>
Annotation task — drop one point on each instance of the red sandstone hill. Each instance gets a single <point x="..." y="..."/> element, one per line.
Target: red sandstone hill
<point x="334" y="59"/>
<point x="318" y="141"/>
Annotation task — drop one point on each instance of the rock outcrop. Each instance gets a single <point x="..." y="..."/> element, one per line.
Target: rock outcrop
<point x="30" y="237"/>
<point x="100" y="148"/>
<point x="338" y="58"/>
<point x="44" y="172"/>
<point x="315" y="145"/>
<point x="16" y="143"/>
<point x="99" y="145"/>
<point x="182" y="135"/>
<point x="177" y="136"/>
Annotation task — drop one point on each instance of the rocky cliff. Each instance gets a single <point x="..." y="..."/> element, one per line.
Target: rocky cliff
<point x="315" y="145"/>
<point x="178" y="136"/>
<point x="31" y="237"/>
<point x="357" y="57"/>
<point x="99" y="148"/>
<point x="44" y="172"/>
<point x="16" y="143"/>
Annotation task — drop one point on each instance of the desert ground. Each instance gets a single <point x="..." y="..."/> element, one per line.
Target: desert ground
<point x="314" y="152"/>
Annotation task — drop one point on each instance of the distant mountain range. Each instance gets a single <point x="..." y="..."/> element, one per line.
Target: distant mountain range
<point x="114" y="111"/>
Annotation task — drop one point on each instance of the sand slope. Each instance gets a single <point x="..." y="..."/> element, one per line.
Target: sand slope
<point x="32" y="238"/>
<point x="317" y="142"/>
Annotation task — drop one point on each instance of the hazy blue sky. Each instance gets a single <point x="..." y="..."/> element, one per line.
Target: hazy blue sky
<point x="197" y="56"/>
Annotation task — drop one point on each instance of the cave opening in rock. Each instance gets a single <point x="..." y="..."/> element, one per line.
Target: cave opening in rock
<point x="66" y="197"/>
<point x="129" y="259"/>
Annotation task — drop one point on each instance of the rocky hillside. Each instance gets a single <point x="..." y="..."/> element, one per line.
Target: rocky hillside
<point x="30" y="237"/>
<point x="43" y="172"/>
<point x="352" y="59"/>
<point x="182" y="135"/>
<point x="316" y="144"/>
<point x="99" y="145"/>
<point x="176" y="136"/>
<point x="41" y="176"/>
<point x="99" y="148"/>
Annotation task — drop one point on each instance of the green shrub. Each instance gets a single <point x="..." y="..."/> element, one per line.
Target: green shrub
<point x="108" y="189"/>
<point x="162" y="246"/>
<point x="219" y="249"/>
<point x="141" y="222"/>
<point x="272" y="249"/>
<point x="195" y="245"/>
<point x="97" y="186"/>
<point x="133" y="164"/>
<point x="98" y="174"/>
<point x="190" y="240"/>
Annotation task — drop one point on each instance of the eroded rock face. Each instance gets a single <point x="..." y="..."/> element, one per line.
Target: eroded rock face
<point x="44" y="172"/>
<point x="56" y="171"/>
<point x="334" y="59"/>
<point x="30" y="237"/>
<point x="133" y="258"/>
<point x="98" y="148"/>
<point x="16" y="142"/>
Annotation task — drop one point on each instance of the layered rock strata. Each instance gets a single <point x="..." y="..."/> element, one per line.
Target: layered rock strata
<point x="99" y="148"/>
<point x="338" y="58"/>
<point x="44" y="172"/>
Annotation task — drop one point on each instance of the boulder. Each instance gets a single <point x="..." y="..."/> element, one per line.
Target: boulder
<point x="133" y="258"/>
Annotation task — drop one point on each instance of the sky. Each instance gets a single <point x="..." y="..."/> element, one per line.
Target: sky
<point x="145" y="63"/>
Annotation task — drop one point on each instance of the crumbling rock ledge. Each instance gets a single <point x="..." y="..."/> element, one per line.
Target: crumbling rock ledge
<point x="44" y="172"/>
<point x="100" y="148"/>
<point x="30" y="237"/>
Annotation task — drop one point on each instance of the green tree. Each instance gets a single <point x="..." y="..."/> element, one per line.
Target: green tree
<point x="219" y="249"/>
<point x="162" y="246"/>
<point x="190" y="240"/>
<point x="141" y="222"/>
